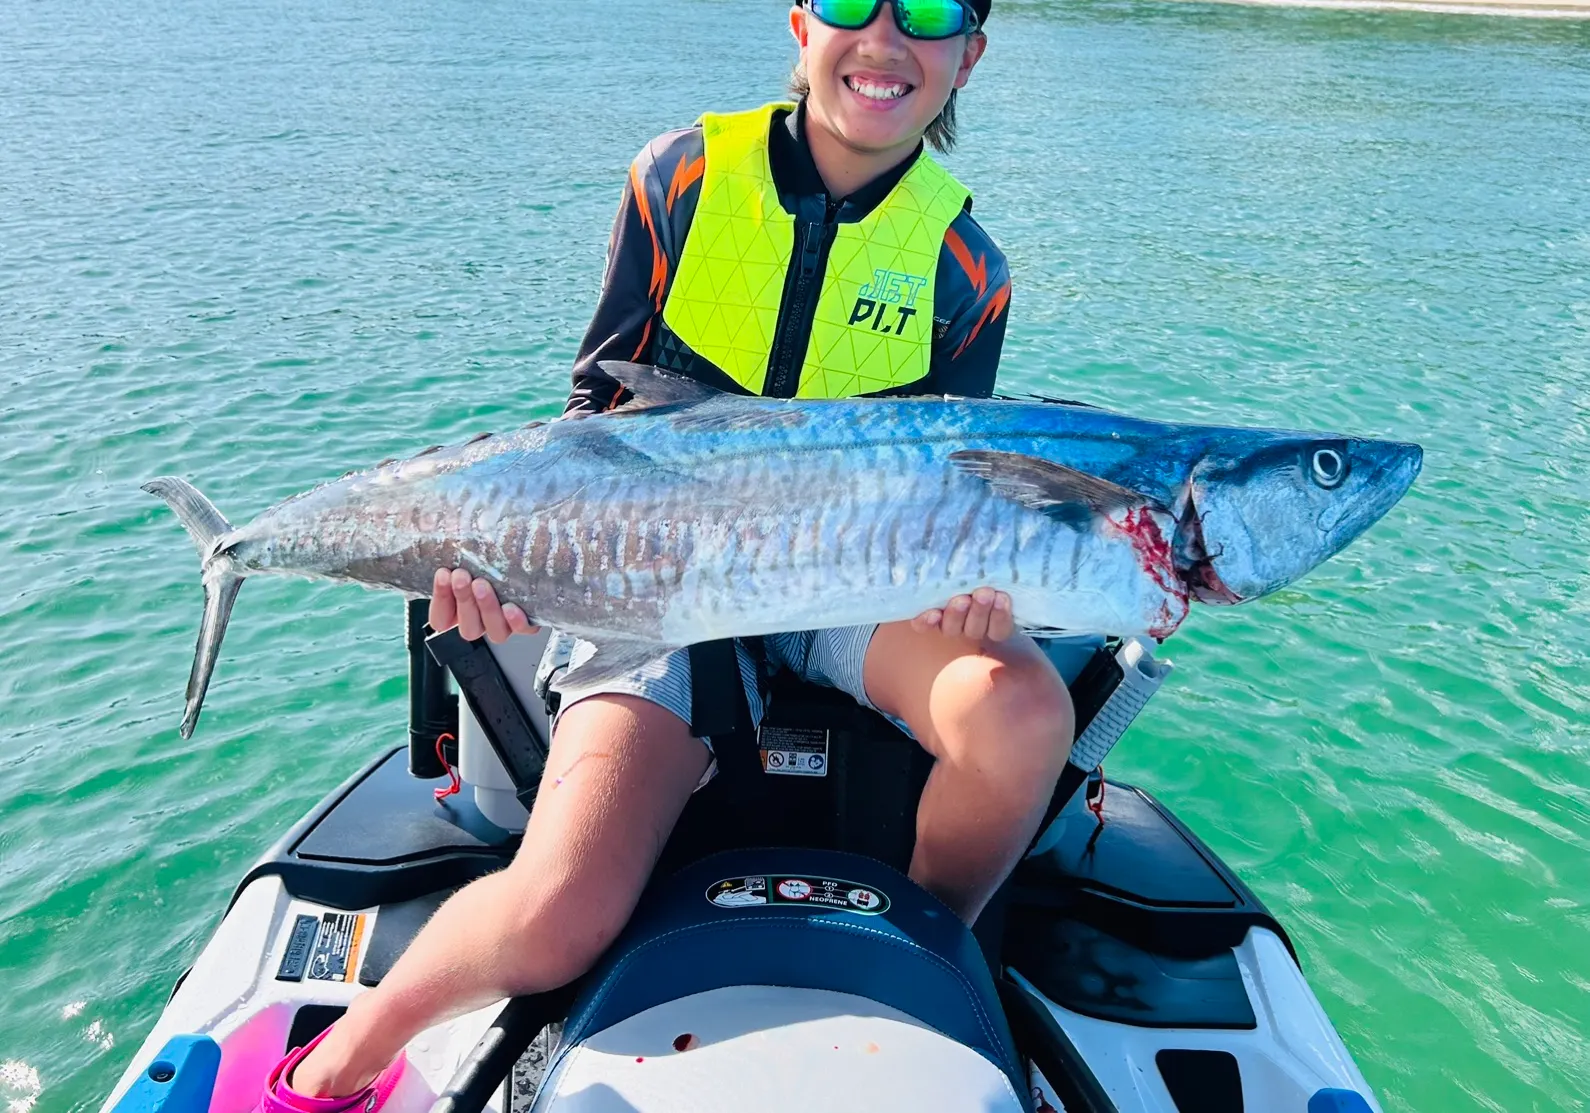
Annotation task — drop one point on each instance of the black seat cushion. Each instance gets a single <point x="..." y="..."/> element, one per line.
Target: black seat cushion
<point x="876" y="935"/>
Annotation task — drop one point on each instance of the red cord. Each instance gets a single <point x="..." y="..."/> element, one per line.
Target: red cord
<point x="1096" y="801"/>
<point x="444" y="793"/>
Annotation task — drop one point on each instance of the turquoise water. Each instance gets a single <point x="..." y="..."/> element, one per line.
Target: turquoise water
<point x="259" y="244"/>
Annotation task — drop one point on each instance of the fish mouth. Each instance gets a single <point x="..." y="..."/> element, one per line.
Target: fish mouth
<point x="1194" y="563"/>
<point x="1206" y="586"/>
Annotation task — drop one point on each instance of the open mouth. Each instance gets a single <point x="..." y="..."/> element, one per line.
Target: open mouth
<point x="1194" y="562"/>
<point x="1206" y="586"/>
<point x="878" y="90"/>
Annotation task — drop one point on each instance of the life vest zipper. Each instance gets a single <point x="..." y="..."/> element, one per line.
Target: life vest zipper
<point x="802" y="288"/>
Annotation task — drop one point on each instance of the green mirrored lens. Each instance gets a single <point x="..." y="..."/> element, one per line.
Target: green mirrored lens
<point x="931" y="19"/>
<point x="850" y="15"/>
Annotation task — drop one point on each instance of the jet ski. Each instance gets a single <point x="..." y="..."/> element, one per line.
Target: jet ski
<point x="780" y="959"/>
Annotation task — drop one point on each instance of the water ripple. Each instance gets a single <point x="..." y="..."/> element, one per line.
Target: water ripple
<point x="257" y="245"/>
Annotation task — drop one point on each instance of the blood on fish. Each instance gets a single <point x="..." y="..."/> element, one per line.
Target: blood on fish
<point x="1168" y="621"/>
<point x="1154" y="556"/>
<point x="1153" y="551"/>
<point x="686" y="1042"/>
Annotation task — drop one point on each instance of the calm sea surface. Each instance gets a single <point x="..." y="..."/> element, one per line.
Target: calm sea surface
<point x="257" y="244"/>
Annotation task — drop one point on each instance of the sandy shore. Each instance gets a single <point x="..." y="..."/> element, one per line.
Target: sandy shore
<point x="1535" y="9"/>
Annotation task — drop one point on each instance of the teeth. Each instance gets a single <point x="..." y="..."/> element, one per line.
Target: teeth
<point x="873" y="91"/>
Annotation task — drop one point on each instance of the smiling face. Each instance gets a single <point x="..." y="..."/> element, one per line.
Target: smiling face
<point x="876" y="91"/>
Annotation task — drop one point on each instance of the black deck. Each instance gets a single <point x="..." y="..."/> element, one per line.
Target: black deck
<point x="381" y="838"/>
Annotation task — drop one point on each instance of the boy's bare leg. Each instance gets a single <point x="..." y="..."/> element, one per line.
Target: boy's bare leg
<point x="619" y="773"/>
<point x="998" y="720"/>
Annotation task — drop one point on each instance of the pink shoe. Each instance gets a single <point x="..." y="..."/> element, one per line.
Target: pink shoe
<point x="281" y="1098"/>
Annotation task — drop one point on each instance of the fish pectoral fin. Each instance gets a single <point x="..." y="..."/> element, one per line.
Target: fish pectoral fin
<point x="1045" y="486"/>
<point x="653" y="386"/>
<point x="606" y="659"/>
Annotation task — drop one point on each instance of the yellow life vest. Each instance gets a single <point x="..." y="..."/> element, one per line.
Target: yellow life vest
<point x="873" y="327"/>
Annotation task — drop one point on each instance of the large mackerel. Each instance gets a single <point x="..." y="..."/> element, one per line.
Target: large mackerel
<point x="689" y="515"/>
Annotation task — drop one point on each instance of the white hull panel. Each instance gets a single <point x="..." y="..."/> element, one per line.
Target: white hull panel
<point x="233" y="995"/>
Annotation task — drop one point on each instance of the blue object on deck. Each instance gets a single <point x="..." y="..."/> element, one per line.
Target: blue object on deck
<point x="179" y="1080"/>
<point x="1338" y="1101"/>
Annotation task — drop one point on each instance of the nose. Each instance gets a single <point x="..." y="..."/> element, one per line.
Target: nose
<point x="882" y="40"/>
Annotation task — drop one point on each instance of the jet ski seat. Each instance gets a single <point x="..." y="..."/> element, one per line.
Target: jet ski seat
<point x="806" y="920"/>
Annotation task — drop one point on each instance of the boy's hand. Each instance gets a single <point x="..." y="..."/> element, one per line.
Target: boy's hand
<point x="458" y="599"/>
<point x="985" y="613"/>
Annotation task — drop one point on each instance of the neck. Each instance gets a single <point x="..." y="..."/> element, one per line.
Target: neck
<point x="844" y="168"/>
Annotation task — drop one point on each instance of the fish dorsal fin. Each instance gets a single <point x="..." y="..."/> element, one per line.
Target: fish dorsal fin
<point x="652" y="386"/>
<point x="1045" y="486"/>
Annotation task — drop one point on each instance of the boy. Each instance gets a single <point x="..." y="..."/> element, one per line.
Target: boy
<point x="809" y="250"/>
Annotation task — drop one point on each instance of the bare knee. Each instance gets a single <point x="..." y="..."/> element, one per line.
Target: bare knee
<point x="1009" y="713"/>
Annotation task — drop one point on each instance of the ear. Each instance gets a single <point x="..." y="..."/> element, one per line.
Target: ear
<point x="976" y="43"/>
<point x="797" y="24"/>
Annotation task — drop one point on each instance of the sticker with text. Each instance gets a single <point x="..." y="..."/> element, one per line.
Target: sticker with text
<point x="799" y="890"/>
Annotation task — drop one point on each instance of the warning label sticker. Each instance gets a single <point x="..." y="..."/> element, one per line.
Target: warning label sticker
<point x="738" y="892"/>
<point x="334" y="956"/>
<point x="295" y="959"/>
<point x="808" y="892"/>
<point x="793" y="751"/>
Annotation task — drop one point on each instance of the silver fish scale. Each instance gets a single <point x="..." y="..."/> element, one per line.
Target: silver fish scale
<point x="844" y="537"/>
<point x="589" y="531"/>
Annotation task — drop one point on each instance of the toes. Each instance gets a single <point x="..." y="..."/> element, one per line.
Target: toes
<point x="1002" y="622"/>
<point x="976" y="625"/>
<point x="954" y="621"/>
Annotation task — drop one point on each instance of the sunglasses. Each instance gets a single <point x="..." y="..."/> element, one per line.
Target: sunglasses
<point x="916" y="19"/>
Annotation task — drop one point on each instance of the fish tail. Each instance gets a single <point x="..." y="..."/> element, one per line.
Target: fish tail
<point x="222" y="580"/>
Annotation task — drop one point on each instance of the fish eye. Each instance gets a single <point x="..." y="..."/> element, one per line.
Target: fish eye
<point x="1329" y="467"/>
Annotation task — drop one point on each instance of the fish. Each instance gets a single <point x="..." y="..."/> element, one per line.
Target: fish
<point x="688" y="514"/>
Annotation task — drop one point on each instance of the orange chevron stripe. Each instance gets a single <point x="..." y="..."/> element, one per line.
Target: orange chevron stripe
<point x="996" y="305"/>
<point x="977" y="272"/>
<point x="659" y="261"/>
<point x="685" y="176"/>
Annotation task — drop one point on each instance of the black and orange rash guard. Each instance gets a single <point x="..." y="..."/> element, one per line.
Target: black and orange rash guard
<point x="972" y="279"/>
